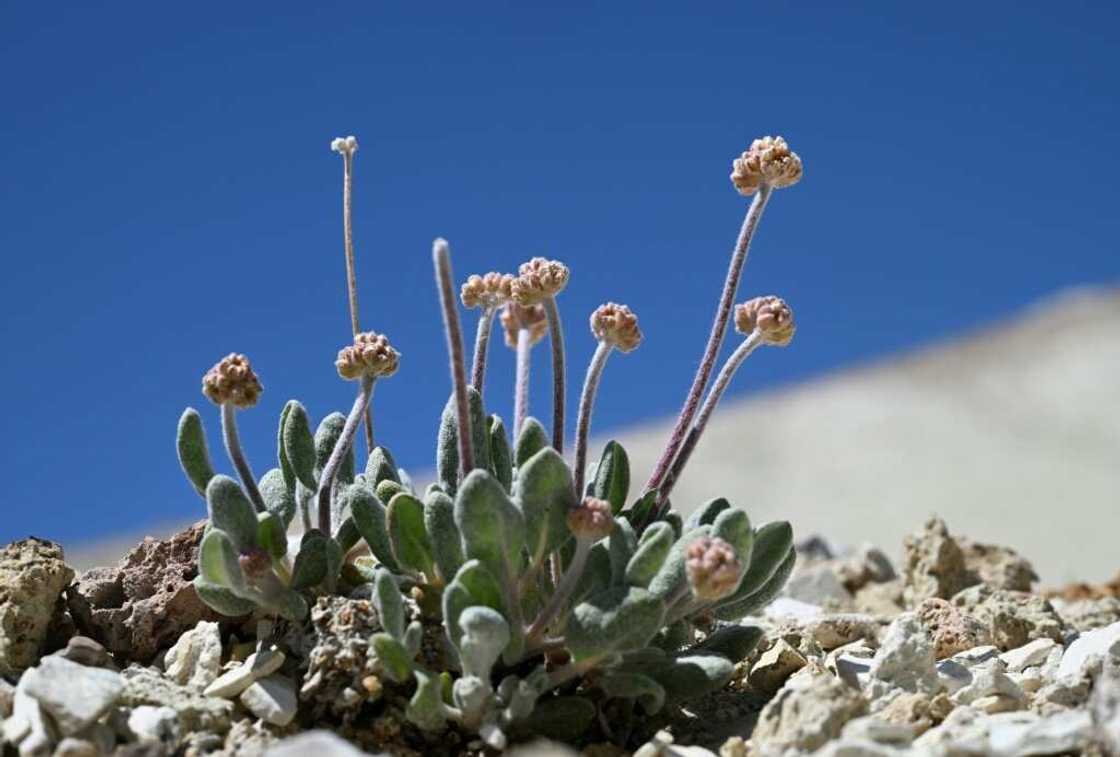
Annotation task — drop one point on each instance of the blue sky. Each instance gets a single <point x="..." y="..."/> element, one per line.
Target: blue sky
<point x="169" y="197"/>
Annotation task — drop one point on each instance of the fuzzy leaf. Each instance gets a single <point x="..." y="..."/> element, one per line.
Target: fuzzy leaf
<point x="447" y="447"/>
<point x="545" y="495"/>
<point x="596" y="575"/>
<point x="491" y="526"/>
<point x="299" y="445"/>
<point x="439" y="523"/>
<point x="763" y="596"/>
<point x="772" y="543"/>
<point x="389" y="603"/>
<point x="369" y="518"/>
<point x="705" y="515"/>
<point x="621" y="545"/>
<point x="426" y="709"/>
<point x="409" y="539"/>
<point x="733" y="642"/>
<point x="387" y="489"/>
<point x="650" y="554"/>
<point x="642" y="510"/>
<point x="311" y="566"/>
<point x="190" y="440"/>
<point x="393" y="657"/>
<point x="278" y="498"/>
<point x="563" y="719"/>
<point x="217" y="560"/>
<point x="413" y="637"/>
<point x="672" y="576"/>
<point x="734" y="527"/>
<point x="618" y="619"/>
<point x="347" y="535"/>
<point x="648" y="692"/>
<point x="380" y="466"/>
<point x="532" y="439"/>
<point x="222" y="600"/>
<point x="271" y="535"/>
<point x="485" y="634"/>
<point x="693" y="676"/>
<point x="286" y="470"/>
<point x="290" y="606"/>
<point x="612" y="476"/>
<point x="326" y="437"/>
<point x="501" y="458"/>
<point x="472" y="586"/>
<point x="231" y="511"/>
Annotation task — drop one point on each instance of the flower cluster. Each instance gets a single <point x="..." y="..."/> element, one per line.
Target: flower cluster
<point x="538" y="280"/>
<point x="771" y="316"/>
<point x="232" y="380"/>
<point x="490" y="290"/>
<point x="616" y="325"/>
<point x="768" y="161"/>
<point x="369" y="355"/>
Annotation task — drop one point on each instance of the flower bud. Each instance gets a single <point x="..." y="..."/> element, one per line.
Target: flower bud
<point x="592" y="520"/>
<point x="254" y="564"/>
<point x="768" y="161"/>
<point x="344" y="145"/>
<point x="770" y="315"/>
<point x="713" y="568"/>
<point x="515" y="317"/>
<point x="232" y="380"/>
<point x="370" y="355"/>
<point x="538" y="280"/>
<point x="616" y="325"/>
<point x="488" y="291"/>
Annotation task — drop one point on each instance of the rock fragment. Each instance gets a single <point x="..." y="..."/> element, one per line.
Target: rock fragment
<point x="933" y="565"/>
<point x="32" y="577"/>
<point x="74" y="695"/>
<point x="195" y="660"/>
<point x="806" y="713"/>
<point x="256" y="666"/>
<point x="272" y="699"/>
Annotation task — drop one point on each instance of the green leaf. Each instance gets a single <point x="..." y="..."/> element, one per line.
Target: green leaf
<point x="286" y="470"/>
<point x="217" y="560"/>
<point x="231" y="511"/>
<point x="271" y="535"/>
<point x="545" y="495"/>
<point x="326" y="437"/>
<point x="278" y="498"/>
<point x="407" y="535"/>
<point x="672" y="577"/>
<point x="387" y="489"/>
<point x="693" y="676"/>
<point x="734" y="642"/>
<point x="648" y="692"/>
<point x="563" y="719"/>
<point x="347" y="535"/>
<point x="426" y="709"/>
<point x="439" y="523"/>
<point x="413" y="637"/>
<point x="772" y="543"/>
<point x="763" y="596"/>
<point x="501" y="458"/>
<point x="618" y="619"/>
<point x="612" y="477"/>
<point x="447" y="447"/>
<point x="596" y="575"/>
<point x="190" y="440"/>
<point x="312" y="562"/>
<point x="705" y="515"/>
<point x="532" y="439"/>
<point x="381" y="467"/>
<point x="290" y="605"/>
<point x="389" y="603"/>
<point x="642" y="510"/>
<point x="621" y="545"/>
<point x="299" y="445"/>
<point x="369" y="518"/>
<point x="491" y="526"/>
<point x="221" y="600"/>
<point x="472" y="586"/>
<point x="734" y="527"/>
<point x="393" y="657"/>
<point x="485" y="634"/>
<point x="650" y="554"/>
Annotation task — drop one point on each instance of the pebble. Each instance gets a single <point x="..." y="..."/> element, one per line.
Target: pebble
<point x="870" y="728"/>
<point x="1065" y="732"/>
<point x="72" y="747"/>
<point x="272" y="699"/>
<point x="1028" y="655"/>
<point x="905" y="659"/>
<point x="75" y="696"/>
<point x="775" y="665"/>
<point x="953" y="675"/>
<point x="256" y="666"/>
<point x="148" y="723"/>
<point x="85" y="651"/>
<point x="195" y="660"/>
<point x="836" y="630"/>
<point x="851" y="663"/>
<point x="988" y="679"/>
<point x="1079" y="656"/>
<point x="817" y="585"/>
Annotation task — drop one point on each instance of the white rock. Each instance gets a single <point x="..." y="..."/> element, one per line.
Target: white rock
<point x="317" y="743"/>
<point x="196" y="658"/>
<point x="870" y="728"/>
<point x="1079" y="656"/>
<point x="953" y="675"/>
<point x="27" y="727"/>
<point x="816" y="585"/>
<point x="73" y="695"/>
<point x="976" y="655"/>
<point x="256" y="666"/>
<point x="1028" y="655"/>
<point x="1065" y="732"/>
<point x="272" y="699"/>
<point x="988" y="679"/>
<point x="148" y="723"/>
<point x="787" y="608"/>
<point x="905" y="659"/>
<point x="851" y="663"/>
<point x="1105" y="706"/>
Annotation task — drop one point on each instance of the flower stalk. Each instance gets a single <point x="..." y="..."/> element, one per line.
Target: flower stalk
<point x="441" y="257"/>
<point x="341" y="449"/>
<point x="232" y="440"/>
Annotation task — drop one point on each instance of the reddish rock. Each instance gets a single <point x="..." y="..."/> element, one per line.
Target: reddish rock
<point x="951" y="629"/>
<point x="145" y="603"/>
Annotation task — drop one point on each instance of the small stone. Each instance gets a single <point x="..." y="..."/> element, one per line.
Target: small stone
<point x="74" y="695"/>
<point x="256" y="666"/>
<point x="272" y="699"/>
<point x="85" y="651"/>
<point x="72" y="747"/>
<point x="997" y="566"/>
<point x="318" y="743"/>
<point x="950" y="629"/>
<point x="27" y="726"/>
<point x="964" y="731"/>
<point x="32" y="577"/>
<point x="933" y="564"/>
<point x="1031" y="654"/>
<point x="1062" y="733"/>
<point x="870" y="565"/>
<point x="905" y="659"/>
<point x="818" y="585"/>
<point x="806" y="713"/>
<point x="788" y="609"/>
<point x="874" y="729"/>
<point x="774" y="666"/>
<point x="1013" y="618"/>
<point x="953" y="675"/>
<point x="1088" y="650"/>
<point x="995" y="703"/>
<point x="195" y="712"/>
<point x="836" y="630"/>
<point x="988" y="679"/>
<point x="976" y="655"/>
<point x="1105" y="708"/>
<point x="916" y="712"/>
<point x="148" y="723"/>
<point x="851" y="663"/>
<point x="1087" y="614"/>
<point x="880" y="600"/>
<point x="196" y="658"/>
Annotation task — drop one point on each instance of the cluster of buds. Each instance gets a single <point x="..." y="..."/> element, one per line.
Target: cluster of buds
<point x="592" y="520"/>
<point x="491" y="290"/>
<point x="617" y="326"/>
<point x="345" y="145"/>
<point x="770" y="316"/>
<point x="232" y="380"/>
<point x="370" y="355"/>
<point x="538" y="280"/>
<point x="767" y="161"/>
<point x="516" y="317"/>
<point x="713" y="568"/>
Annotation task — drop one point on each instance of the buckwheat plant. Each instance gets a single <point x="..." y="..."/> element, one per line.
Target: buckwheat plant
<point x="561" y="597"/>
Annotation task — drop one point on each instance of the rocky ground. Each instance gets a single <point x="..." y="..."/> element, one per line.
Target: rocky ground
<point x="953" y="652"/>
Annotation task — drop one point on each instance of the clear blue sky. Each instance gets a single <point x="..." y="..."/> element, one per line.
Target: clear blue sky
<point x="168" y="196"/>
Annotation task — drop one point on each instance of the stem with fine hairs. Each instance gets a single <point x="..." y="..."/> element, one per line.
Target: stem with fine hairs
<point x="715" y="338"/>
<point x="556" y="338"/>
<point x="562" y="593"/>
<point x="718" y="388"/>
<point x="237" y="457"/>
<point x="351" y="275"/>
<point x="338" y="454"/>
<point x="586" y="403"/>
<point x="441" y="257"/>
<point x="481" y="345"/>
<point x="521" y="388"/>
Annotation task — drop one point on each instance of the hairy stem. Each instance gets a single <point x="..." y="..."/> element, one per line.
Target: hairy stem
<point x="351" y="275"/>
<point x="562" y="594"/>
<point x="237" y="457"/>
<point x="715" y="338"/>
<point x="338" y="454"/>
<point x="556" y="337"/>
<point x="718" y="388"/>
<point x="521" y="387"/>
<point x="441" y="256"/>
<point x="586" y="403"/>
<point x="481" y="345"/>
